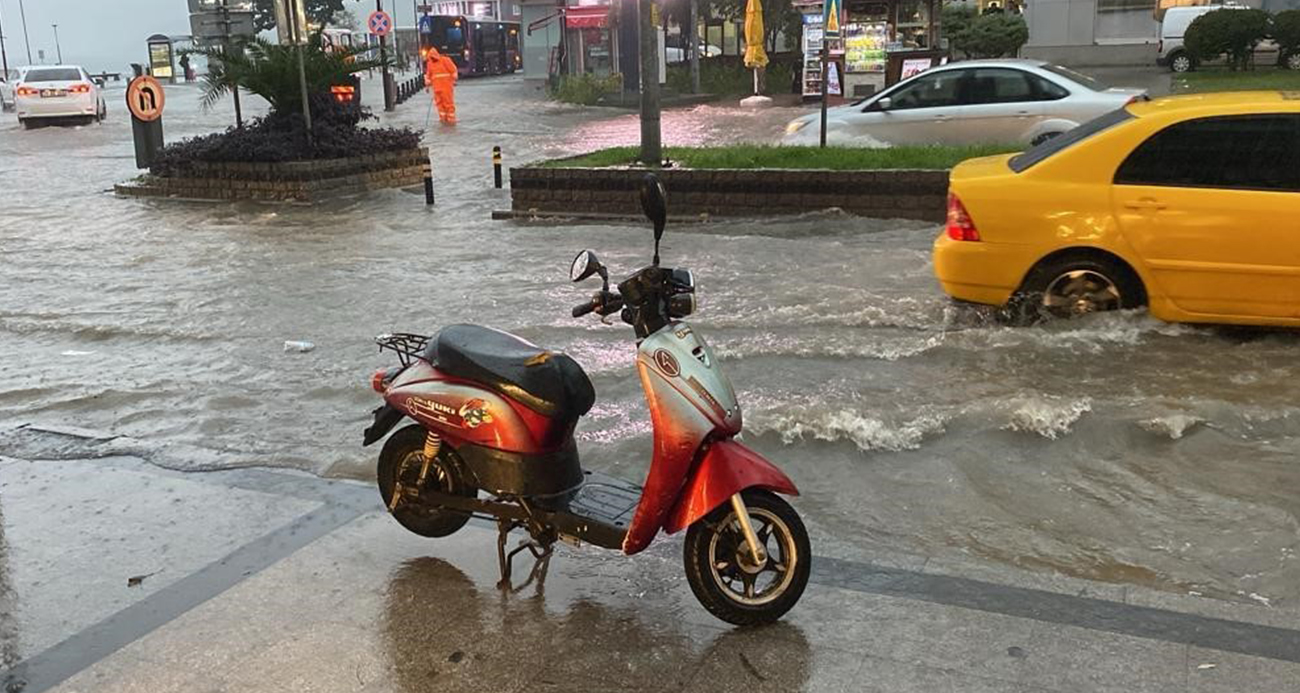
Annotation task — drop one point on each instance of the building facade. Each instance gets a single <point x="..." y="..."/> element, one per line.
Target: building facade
<point x="1106" y="32"/>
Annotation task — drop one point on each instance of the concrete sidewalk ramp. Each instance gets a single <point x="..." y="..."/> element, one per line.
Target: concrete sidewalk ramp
<point x="267" y="581"/>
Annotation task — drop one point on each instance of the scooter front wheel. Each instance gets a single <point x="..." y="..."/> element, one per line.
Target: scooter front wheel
<point x="402" y="457"/>
<point x="723" y="573"/>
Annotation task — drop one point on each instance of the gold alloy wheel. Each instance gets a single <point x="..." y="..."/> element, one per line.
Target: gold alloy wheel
<point x="733" y="567"/>
<point x="1079" y="292"/>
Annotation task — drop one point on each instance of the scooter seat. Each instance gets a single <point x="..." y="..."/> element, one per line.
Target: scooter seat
<point x="549" y="383"/>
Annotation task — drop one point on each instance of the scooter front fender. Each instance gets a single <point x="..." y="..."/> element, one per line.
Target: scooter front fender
<point x="726" y="468"/>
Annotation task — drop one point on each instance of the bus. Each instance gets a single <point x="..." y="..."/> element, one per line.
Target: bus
<point x="477" y="46"/>
<point x="334" y="40"/>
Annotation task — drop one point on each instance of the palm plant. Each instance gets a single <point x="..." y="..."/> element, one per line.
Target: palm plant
<point x="270" y="71"/>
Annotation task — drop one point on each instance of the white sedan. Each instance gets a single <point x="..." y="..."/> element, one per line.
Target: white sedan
<point x="62" y="91"/>
<point x="971" y="102"/>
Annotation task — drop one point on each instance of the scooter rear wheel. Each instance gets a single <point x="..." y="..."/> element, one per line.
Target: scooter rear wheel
<point x="723" y="575"/>
<point x="403" y="454"/>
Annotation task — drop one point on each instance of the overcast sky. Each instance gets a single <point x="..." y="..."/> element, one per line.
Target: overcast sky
<point x="108" y="35"/>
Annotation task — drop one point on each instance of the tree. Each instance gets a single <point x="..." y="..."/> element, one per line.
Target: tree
<point x="319" y="12"/>
<point x="779" y="16"/>
<point x="270" y="71"/>
<point x="1233" y="33"/>
<point x="989" y="35"/>
<point x="346" y="19"/>
<point x="1286" y="32"/>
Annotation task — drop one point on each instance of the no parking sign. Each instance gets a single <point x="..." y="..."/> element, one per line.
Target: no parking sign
<point x="380" y="23"/>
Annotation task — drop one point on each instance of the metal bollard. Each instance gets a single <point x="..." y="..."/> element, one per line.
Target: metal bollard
<point x="496" y="166"/>
<point x="428" y="184"/>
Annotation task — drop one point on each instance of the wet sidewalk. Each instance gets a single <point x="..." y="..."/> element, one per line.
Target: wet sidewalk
<point x="119" y="575"/>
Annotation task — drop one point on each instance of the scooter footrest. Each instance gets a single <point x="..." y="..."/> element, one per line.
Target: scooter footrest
<point x="600" y="511"/>
<point x="607" y="499"/>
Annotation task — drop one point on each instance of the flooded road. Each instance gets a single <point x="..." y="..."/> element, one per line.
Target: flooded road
<point x="1115" y="448"/>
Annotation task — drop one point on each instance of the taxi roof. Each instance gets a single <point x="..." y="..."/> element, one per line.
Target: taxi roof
<point x="1231" y="102"/>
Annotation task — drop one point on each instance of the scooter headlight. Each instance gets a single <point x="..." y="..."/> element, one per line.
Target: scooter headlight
<point x="681" y="305"/>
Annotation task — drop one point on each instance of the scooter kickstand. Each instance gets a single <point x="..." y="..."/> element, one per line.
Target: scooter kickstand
<point x="541" y="552"/>
<point x="503" y="561"/>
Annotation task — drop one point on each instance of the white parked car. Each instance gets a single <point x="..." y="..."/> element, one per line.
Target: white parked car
<point x="59" y="91"/>
<point x="677" y="54"/>
<point x="976" y="101"/>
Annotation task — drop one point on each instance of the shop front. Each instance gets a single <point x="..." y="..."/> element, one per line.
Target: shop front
<point x="590" y="38"/>
<point x="878" y="38"/>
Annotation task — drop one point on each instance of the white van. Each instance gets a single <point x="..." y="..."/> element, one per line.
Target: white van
<point x="1174" y="25"/>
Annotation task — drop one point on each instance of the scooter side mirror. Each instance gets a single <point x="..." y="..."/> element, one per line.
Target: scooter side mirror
<point x="654" y="202"/>
<point x="584" y="266"/>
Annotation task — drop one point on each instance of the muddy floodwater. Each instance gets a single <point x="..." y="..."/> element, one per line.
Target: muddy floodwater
<point x="1116" y="448"/>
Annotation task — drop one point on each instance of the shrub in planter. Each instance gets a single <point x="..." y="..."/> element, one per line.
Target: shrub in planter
<point x="271" y="71"/>
<point x="283" y="137"/>
<point x="1232" y="33"/>
<point x="1286" y="32"/>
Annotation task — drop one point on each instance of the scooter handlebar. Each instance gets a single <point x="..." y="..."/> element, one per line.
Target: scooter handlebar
<point x="602" y="303"/>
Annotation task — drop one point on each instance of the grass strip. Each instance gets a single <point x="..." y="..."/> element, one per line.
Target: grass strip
<point x="1203" y="80"/>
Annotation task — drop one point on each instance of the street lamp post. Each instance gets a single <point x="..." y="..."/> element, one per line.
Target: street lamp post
<point x="4" y="56"/>
<point x="23" y="11"/>
<point x="58" y="48"/>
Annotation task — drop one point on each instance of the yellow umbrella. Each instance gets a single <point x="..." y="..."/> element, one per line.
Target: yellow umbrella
<point x="755" y="56"/>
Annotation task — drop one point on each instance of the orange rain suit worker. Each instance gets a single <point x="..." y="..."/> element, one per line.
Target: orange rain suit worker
<point x="440" y="73"/>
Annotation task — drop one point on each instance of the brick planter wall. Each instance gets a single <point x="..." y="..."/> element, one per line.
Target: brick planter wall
<point x="300" y="181"/>
<point x="891" y="194"/>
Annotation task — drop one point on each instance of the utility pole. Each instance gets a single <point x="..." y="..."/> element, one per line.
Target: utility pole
<point x="4" y="56"/>
<point x="23" y="11"/>
<point x="57" y="47"/>
<point x="694" y="38"/>
<point x="300" y="38"/>
<point x="651" y="142"/>
<point x="390" y="102"/>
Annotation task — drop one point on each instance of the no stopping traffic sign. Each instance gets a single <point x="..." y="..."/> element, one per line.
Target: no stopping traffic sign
<point x="380" y="23"/>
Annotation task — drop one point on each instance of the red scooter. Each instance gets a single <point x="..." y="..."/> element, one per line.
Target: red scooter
<point x="493" y="438"/>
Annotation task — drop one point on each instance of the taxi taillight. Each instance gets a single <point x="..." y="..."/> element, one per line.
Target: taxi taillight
<point x="79" y="89"/>
<point x="960" y="225"/>
<point x="27" y="91"/>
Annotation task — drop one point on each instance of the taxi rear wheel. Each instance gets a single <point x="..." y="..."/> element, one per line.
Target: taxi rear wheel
<point x="1072" y="286"/>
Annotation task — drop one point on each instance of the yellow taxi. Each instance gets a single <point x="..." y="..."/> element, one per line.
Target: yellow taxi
<point x="1189" y="205"/>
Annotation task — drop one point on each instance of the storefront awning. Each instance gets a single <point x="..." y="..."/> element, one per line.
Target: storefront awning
<point x="594" y="17"/>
